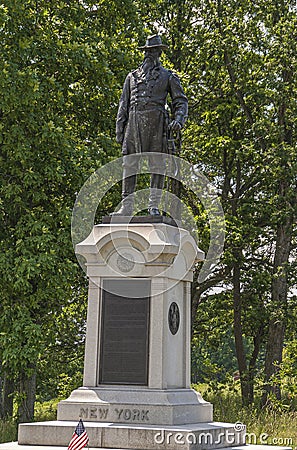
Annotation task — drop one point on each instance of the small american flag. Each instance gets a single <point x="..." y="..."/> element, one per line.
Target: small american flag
<point x="79" y="438"/>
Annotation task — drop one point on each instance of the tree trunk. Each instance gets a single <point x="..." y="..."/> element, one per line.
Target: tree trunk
<point x="237" y="304"/>
<point x="252" y="364"/>
<point x="27" y="394"/>
<point x="8" y="389"/>
<point x="279" y="291"/>
<point x="245" y="382"/>
<point x="1" y="399"/>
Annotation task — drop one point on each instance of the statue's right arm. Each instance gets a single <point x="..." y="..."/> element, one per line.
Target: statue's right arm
<point x="123" y="111"/>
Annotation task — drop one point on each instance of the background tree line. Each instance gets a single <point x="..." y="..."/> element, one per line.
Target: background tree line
<point x="62" y="68"/>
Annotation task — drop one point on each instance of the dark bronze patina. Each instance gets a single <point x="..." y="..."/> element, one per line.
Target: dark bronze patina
<point x="173" y="318"/>
<point x="125" y="332"/>
<point x="143" y="123"/>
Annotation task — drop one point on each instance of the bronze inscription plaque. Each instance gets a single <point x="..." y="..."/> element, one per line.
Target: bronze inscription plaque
<point x="125" y="332"/>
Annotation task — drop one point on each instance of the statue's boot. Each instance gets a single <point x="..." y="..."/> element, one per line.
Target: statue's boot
<point x="128" y="188"/>
<point x="156" y="186"/>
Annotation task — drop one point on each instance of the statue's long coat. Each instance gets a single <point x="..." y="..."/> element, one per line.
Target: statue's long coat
<point x="142" y="121"/>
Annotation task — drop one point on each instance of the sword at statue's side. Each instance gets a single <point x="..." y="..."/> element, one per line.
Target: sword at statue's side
<point x="173" y="167"/>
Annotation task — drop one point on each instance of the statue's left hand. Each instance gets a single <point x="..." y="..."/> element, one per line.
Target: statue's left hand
<point x="175" y="126"/>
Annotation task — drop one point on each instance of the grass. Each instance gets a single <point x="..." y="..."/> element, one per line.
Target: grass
<point x="46" y="410"/>
<point x="263" y="427"/>
<point x="8" y="431"/>
<point x="43" y="411"/>
<point x="270" y="426"/>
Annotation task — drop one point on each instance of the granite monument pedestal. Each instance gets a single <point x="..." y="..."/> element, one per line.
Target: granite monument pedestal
<point x="136" y="392"/>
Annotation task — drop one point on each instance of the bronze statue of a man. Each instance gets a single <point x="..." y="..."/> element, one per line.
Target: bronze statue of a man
<point x="142" y="122"/>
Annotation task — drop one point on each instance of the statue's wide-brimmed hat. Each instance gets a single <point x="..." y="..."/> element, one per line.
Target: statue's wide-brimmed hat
<point x="154" y="41"/>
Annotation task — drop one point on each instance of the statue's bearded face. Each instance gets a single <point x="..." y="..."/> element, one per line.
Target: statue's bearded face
<point x="153" y="53"/>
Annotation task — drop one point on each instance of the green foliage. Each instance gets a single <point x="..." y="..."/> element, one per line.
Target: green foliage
<point x="286" y="377"/>
<point x="23" y="334"/>
<point x="46" y="410"/>
<point x="64" y="351"/>
<point x="8" y="431"/>
<point x="272" y="426"/>
<point x="239" y="63"/>
<point x="62" y="67"/>
<point x="215" y="362"/>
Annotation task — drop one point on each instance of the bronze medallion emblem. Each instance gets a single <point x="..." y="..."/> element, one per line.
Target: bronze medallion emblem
<point x="173" y="318"/>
